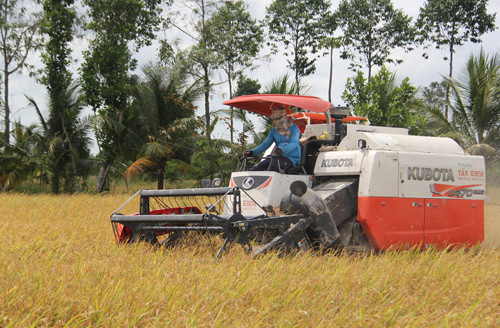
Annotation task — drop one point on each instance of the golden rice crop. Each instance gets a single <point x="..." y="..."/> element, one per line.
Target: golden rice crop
<point x="60" y="267"/>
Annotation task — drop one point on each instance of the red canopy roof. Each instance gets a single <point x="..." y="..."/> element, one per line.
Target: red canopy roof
<point x="262" y="104"/>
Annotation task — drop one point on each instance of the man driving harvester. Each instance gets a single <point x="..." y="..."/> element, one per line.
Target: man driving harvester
<point x="286" y="135"/>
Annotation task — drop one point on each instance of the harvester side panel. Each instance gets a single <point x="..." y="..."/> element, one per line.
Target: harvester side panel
<point x="392" y="221"/>
<point x="441" y="176"/>
<point x="338" y="163"/>
<point x="453" y="222"/>
<point x="409" y="199"/>
<point x="415" y="222"/>
<point x="263" y="188"/>
<point x="379" y="176"/>
<point x="453" y="187"/>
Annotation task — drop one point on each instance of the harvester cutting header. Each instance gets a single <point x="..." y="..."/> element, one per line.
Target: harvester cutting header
<point x="356" y="187"/>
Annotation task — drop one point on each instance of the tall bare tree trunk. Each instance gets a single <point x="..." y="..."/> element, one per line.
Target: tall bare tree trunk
<point x="73" y="154"/>
<point x="231" y="108"/>
<point x="448" y="85"/>
<point x="369" y="59"/>
<point x="54" y="184"/>
<point x="206" y="87"/>
<point x="6" y="133"/>
<point x="297" y="84"/>
<point x="103" y="173"/>
<point x="330" y="81"/>
<point x="161" y="177"/>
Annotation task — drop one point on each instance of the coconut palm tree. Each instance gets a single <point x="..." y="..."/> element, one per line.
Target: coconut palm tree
<point x="154" y="155"/>
<point x="475" y="109"/>
<point x="63" y="139"/>
<point x="476" y="100"/>
<point x="163" y="100"/>
<point x="19" y="160"/>
<point x="163" y="97"/>
<point x="286" y="86"/>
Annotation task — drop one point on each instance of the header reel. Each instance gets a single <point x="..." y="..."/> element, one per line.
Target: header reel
<point x="166" y="215"/>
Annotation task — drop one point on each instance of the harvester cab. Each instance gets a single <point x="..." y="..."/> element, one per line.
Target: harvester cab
<point x="358" y="187"/>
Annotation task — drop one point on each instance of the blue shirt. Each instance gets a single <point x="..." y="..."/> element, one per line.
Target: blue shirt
<point x="290" y="145"/>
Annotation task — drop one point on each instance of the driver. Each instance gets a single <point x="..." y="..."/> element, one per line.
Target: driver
<point x="286" y="135"/>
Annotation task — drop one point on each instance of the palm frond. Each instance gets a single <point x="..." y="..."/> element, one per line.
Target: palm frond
<point x="138" y="167"/>
<point x="489" y="153"/>
<point x="185" y="168"/>
<point x="476" y="94"/>
<point x="38" y="112"/>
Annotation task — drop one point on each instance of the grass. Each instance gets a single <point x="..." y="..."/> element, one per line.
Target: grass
<point x="492" y="220"/>
<point x="59" y="267"/>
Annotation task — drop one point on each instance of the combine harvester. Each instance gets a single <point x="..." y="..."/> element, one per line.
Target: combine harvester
<point x="358" y="187"/>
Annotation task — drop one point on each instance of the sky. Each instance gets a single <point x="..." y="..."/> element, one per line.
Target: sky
<point x="420" y="71"/>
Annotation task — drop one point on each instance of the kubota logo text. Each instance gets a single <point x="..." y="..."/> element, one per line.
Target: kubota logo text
<point x="427" y="174"/>
<point x="337" y="162"/>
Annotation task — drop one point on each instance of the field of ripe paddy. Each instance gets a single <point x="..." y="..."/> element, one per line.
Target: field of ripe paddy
<point x="60" y="267"/>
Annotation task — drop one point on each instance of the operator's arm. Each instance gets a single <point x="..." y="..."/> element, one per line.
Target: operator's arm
<point x="266" y="144"/>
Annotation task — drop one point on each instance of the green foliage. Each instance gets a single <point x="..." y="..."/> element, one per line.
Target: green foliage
<point x="58" y="148"/>
<point x="434" y="107"/>
<point x="237" y="40"/>
<point x="163" y="103"/>
<point x="285" y="85"/>
<point x="163" y="96"/>
<point x="476" y="100"/>
<point x="38" y="150"/>
<point x="200" y="57"/>
<point x="246" y="86"/>
<point x="435" y="95"/>
<point x="450" y="23"/>
<point x="57" y="24"/>
<point x="384" y="102"/>
<point x="215" y="159"/>
<point x="209" y="158"/>
<point x="372" y="28"/>
<point x="236" y="37"/>
<point x="105" y="73"/>
<point x="19" y="38"/>
<point x="19" y="160"/>
<point x="132" y="20"/>
<point x="299" y="27"/>
<point x="438" y="125"/>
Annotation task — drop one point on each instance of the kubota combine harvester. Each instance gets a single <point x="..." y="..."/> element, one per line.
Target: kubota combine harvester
<point x="357" y="187"/>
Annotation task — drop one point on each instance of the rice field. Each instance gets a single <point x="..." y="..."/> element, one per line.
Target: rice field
<point x="60" y="267"/>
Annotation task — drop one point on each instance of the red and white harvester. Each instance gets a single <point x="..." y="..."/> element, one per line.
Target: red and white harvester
<point x="358" y="187"/>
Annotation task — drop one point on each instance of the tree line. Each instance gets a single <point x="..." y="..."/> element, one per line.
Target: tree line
<point x="145" y="122"/>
